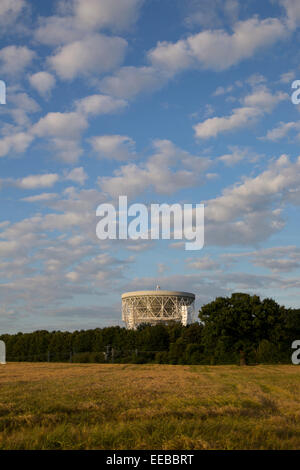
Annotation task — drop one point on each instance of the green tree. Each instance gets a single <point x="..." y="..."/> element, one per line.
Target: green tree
<point x="236" y="325"/>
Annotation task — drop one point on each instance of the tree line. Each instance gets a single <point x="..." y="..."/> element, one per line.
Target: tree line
<point x="241" y="329"/>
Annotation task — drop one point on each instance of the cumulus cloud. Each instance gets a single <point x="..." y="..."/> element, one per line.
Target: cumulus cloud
<point x="276" y="259"/>
<point x="96" y="53"/>
<point x="213" y="49"/>
<point x="68" y="125"/>
<point x="237" y="155"/>
<point x="282" y="130"/>
<point x="64" y="131"/>
<point x="43" y="197"/>
<point x="166" y="171"/>
<point x="19" y="107"/>
<point x="202" y="264"/>
<point x="256" y="104"/>
<point x="85" y="16"/>
<point x="10" y="10"/>
<point x="78" y="175"/>
<point x="251" y="211"/>
<point x="128" y="82"/>
<point x="292" y="9"/>
<point x="239" y="118"/>
<point x="116" y="147"/>
<point x="101" y="14"/>
<point x="43" y="82"/>
<point x="99" y="104"/>
<point x="211" y="13"/>
<point x="287" y="77"/>
<point x="17" y="142"/>
<point x="15" y="59"/>
<point x="31" y="182"/>
<point x="37" y="181"/>
<point x="263" y="99"/>
<point x="216" y="49"/>
<point x="39" y="253"/>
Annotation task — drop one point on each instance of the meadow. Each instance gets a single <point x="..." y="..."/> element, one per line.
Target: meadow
<point x="152" y="406"/>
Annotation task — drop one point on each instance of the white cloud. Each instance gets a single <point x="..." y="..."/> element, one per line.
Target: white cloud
<point x="116" y="147"/>
<point x="63" y="125"/>
<point x="210" y="49"/>
<point x="57" y="30"/>
<point x="216" y="49"/>
<point x="263" y="99"/>
<point x="84" y="17"/>
<point x="203" y="264"/>
<point x="222" y="91"/>
<point x="292" y="8"/>
<point x="211" y="13"/>
<point x="128" y="82"/>
<point x="44" y="197"/>
<point x="19" y="106"/>
<point x="172" y="57"/>
<point x="256" y="79"/>
<point x="43" y="82"/>
<point x="15" y="143"/>
<point x="287" y="77"/>
<point x="241" y="198"/>
<point x="93" y="54"/>
<point x="67" y="150"/>
<point x="10" y="10"/>
<point x="94" y="14"/>
<point x="238" y="154"/>
<point x="78" y="175"/>
<point x="37" y="181"/>
<point x="240" y="117"/>
<point x="64" y="131"/>
<point x="278" y="265"/>
<point x="277" y="258"/>
<point x="252" y="211"/>
<point x="168" y="170"/>
<point x="14" y="59"/>
<point x="23" y="101"/>
<point x="282" y="130"/>
<point x="259" y="102"/>
<point x="99" y="104"/>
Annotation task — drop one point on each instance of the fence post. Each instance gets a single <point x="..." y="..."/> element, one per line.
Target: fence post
<point x="48" y="356"/>
<point x="71" y="356"/>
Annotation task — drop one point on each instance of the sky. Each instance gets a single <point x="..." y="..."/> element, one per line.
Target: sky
<point x="164" y="101"/>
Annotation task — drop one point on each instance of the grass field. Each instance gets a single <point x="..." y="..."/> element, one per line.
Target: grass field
<point x="106" y="406"/>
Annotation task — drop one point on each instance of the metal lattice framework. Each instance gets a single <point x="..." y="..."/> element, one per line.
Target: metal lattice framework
<point x="160" y="306"/>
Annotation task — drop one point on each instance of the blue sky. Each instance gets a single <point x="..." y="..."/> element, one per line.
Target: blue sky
<point x="164" y="101"/>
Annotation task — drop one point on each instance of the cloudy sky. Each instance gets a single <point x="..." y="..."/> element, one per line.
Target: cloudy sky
<point x="175" y="101"/>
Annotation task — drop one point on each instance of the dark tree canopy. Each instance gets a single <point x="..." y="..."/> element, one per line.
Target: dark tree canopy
<point x="237" y="329"/>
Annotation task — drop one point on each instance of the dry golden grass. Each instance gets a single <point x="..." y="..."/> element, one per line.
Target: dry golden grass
<point x="104" y="406"/>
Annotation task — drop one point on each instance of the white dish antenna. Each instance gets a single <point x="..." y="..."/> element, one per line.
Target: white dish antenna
<point x="2" y="353"/>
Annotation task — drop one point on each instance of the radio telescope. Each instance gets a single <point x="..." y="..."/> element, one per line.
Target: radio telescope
<point x="2" y="353"/>
<point x="157" y="306"/>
